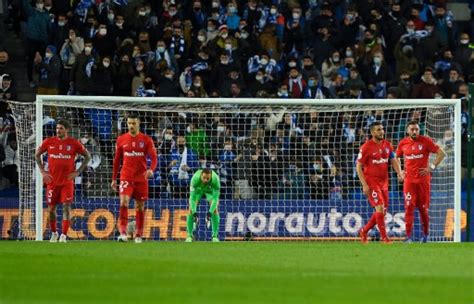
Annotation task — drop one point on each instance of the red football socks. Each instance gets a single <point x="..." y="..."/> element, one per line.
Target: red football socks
<point x="123" y="219"/>
<point x="380" y="219"/>
<point x="409" y="216"/>
<point x="370" y="223"/>
<point x="140" y="216"/>
<point x="425" y="220"/>
<point x="65" y="226"/>
<point x="52" y="225"/>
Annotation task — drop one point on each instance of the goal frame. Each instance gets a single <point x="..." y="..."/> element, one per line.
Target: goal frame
<point x="42" y="99"/>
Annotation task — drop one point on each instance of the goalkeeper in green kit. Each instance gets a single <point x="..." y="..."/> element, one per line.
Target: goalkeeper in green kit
<point x="204" y="182"/>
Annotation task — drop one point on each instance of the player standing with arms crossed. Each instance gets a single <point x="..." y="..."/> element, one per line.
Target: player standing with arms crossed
<point x="62" y="151"/>
<point x="133" y="148"/>
<point x="372" y="169"/>
<point x="204" y="182"/>
<point x="416" y="149"/>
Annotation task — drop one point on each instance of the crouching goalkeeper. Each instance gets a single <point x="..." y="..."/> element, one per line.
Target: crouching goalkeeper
<point x="204" y="182"/>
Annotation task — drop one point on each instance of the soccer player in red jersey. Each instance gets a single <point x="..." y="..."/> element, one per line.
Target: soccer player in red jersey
<point x="372" y="169"/>
<point x="416" y="149"/>
<point x="59" y="178"/>
<point x="133" y="148"/>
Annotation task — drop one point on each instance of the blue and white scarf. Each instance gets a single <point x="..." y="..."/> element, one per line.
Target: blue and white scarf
<point x="165" y="55"/>
<point x="141" y="92"/>
<point x="254" y="65"/>
<point x="82" y="8"/>
<point x="121" y="2"/>
<point x="177" y="45"/>
<point x="200" y="66"/>
<point x="89" y="65"/>
<point x="44" y="70"/>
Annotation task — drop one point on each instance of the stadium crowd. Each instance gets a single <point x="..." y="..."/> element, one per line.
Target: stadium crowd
<point x="282" y="49"/>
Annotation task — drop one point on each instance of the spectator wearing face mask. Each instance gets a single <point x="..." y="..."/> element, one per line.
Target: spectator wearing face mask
<point x="296" y="84"/>
<point x="464" y="52"/>
<point x="12" y="161"/>
<point x="393" y="27"/>
<point x="124" y="73"/>
<point x="81" y="72"/>
<point x="323" y="43"/>
<point x="163" y="53"/>
<point x="119" y="28"/>
<point x="234" y="76"/>
<point x="231" y="17"/>
<point x="199" y="41"/>
<point x="315" y="89"/>
<point x="264" y="62"/>
<point x="102" y="77"/>
<point x="450" y="86"/>
<point x="262" y="83"/>
<point x="60" y="31"/>
<point x="198" y="86"/>
<point x="309" y="68"/>
<point x="326" y="19"/>
<point x="405" y="60"/>
<point x="368" y="47"/>
<point x="37" y="30"/>
<point x="141" y="20"/>
<point x="6" y="68"/>
<point x="292" y="182"/>
<point x="355" y="80"/>
<point x="318" y="178"/>
<point x="217" y="45"/>
<point x="72" y="47"/>
<point x="167" y="84"/>
<point x="404" y="84"/>
<point x="89" y="177"/>
<point x="139" y="76"/>
<point x="227" y="167"/>
<point x="144" y="42"/>
<point x="349" y="28"/>
<point x="221" y="70"/>
<point x="49" y="69"/>
<point x="427" y="88"/>
<point x="106" y="14"/>
<point x="444" y="24"/>
<point x="177" y="44"/>
<point x="198" y="15"/>
<point x="330" y="67"/>
<point x="447" y="62"/>
<point x="294" y="31"/>
<point x="379" y="76"/>
<point x="211" y="29"/>
<point x="270" y="16"/>
<point x="7" y="92"/>
<point x="429" y="46"/>
<point x="103" y="42"/>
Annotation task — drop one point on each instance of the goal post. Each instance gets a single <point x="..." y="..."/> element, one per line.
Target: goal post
<point x="278" y="198"/>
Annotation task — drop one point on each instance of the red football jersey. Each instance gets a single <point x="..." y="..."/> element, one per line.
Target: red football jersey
<point x="61" y="158"/>
<point x="134" y="152"/>
<point x="375" y="158"/>
<point x="416" y="154"/>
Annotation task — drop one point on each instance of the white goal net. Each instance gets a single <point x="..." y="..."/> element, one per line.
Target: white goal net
<point x="287" y="167"/>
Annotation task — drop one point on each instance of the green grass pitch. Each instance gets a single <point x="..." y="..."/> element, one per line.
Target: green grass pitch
<point x="235" y="272"/>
